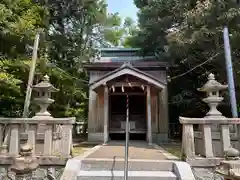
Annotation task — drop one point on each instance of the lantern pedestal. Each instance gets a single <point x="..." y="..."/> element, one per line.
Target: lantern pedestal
<point x="44" y="104"/>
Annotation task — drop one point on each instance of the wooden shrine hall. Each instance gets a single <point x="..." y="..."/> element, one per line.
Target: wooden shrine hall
<point x="118" y="72"/>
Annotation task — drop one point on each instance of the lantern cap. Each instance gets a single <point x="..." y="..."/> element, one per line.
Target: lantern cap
<point x="212" y="85"/>
<point x="45" y="84"/>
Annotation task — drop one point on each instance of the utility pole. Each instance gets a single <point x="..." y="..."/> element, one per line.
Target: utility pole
<point x="229" y="69"/>
<point x="31" y="76"/>
<point x="127" y="139"/>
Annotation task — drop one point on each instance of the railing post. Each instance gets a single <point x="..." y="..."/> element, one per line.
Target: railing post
<point x="1" y="134"/>
<point x="207" y="137"/>
<point x="188" y="141"/>
<point x="14" y="139"/>
<point x="56" y="148"/>
<point x="66" y="139"/>
<point x="238" y="135"/>
<point x="225" y="137"/>
<point x="6" y="140"/>
<point x="32" y="135"/>
<point x="48" y="137"/>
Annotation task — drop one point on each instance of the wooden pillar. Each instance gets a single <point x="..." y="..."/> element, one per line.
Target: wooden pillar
<point x="92" y="111"/>
<point x="149" y="116"/>
<point x="163" y="115"/>
<point x="154" y="110"/>
<point x="106" y="114"/>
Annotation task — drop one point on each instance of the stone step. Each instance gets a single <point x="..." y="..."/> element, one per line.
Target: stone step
<point x="133" y="165"/>
<point x="132" y="175"/>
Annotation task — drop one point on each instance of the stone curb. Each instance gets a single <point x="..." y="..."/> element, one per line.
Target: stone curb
<point x="71" y="169"/>
<point x="168" y="155"/>
<point x="183" y="171"/>
<point x="88" y="153"/>
<point x="74" y="165"/>
<point x="130" y="160"/>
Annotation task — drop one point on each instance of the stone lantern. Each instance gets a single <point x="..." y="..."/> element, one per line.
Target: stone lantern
<point x="44" y="89"/>
<point x="25" y="164"/>
<point x="212" y="88"/>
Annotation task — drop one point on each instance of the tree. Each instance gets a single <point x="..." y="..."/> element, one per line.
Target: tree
<point x="113" y="30"/>
<point x="18" y="23"/>
<point x="118" y="31"/>
<point x="192" y="31"/>
<point x="71" y="32"/>
<point x="131" y="33"/>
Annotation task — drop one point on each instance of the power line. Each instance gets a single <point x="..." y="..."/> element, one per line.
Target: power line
<point x="175" y="77"/>
<point x="69" y="75"/>
<point x="73" y="77"/>
<point x="180" y="75"/>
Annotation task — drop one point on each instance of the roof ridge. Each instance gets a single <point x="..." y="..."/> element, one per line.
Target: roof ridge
<point x="127" y="64"/>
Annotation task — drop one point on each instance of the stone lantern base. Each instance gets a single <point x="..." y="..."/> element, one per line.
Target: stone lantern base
<point x="25" y="164"/>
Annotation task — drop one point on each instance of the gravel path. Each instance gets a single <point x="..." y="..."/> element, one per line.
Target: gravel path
<point x="137" y="150"/>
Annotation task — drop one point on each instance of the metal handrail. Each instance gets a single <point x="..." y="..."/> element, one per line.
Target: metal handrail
<point x="127" y="140"/>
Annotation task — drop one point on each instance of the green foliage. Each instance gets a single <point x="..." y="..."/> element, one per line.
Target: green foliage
<point x="11" y="89"/>
<point x="192" y="32"/>
<point x="72" y="34"/>
<point x="73" y="24"/>
<point x="117" y="31"/>
<point x="71" y="31"/>
<point x="18" y="23"/>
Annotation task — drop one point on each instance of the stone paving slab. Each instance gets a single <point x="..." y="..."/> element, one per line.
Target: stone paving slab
<point x="137" y="150"/>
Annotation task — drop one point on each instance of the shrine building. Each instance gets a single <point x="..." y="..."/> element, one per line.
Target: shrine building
<point x="116" y="73"/>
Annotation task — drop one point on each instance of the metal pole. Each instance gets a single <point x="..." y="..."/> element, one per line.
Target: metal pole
<point x="31" y="76"/>
<point x="127" y="139"/>
<point x="229" y="69"/>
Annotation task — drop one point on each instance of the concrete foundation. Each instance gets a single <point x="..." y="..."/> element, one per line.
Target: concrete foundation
<point x="159" y="138"/>
<point x="95" y="137"/>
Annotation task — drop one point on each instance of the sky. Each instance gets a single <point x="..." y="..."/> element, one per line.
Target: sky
<point x="125" y="8"/>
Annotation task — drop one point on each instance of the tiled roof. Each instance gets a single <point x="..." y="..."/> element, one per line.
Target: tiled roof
<point x="121" y="54"/>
